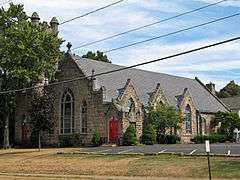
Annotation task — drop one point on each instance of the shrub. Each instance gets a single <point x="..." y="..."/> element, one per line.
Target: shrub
<point x="213" y="138"/>
<point x="149" y="135"/>
<point x="71" y="140"/>
<point x="168" y="139"/>
<point x="198" y="139"/>
<point x="33" y="143"/>
<point x="172" y="139"/>
<point x="96" y="139"/>
<point x="129" y="137"/>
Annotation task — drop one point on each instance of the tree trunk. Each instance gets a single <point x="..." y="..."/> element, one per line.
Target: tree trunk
<point x="39" y="141"/>
<point x="6" y="133"/>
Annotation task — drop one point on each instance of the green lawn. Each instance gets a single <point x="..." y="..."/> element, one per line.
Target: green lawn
<point x="49" y="162"/>
<point x="168" y="165"/>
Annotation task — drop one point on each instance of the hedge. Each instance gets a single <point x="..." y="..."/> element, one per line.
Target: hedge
<point x="168" y="139"/>
<point x="214" y="138"/>
<point x="70" y="140"/>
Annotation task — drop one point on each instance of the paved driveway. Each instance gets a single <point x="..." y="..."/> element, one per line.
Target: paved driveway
<point x="188" y="149"/>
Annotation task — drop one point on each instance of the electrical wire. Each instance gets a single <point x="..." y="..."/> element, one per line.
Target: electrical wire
<point x="148" y="25"/>
<point x="125" y="68"/>
<point x="172" y="33"/>
<point x="91" y="12"/>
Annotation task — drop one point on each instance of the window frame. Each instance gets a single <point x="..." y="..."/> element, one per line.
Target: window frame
<point x="188" y="119"/>
<point x="64" y="102"/>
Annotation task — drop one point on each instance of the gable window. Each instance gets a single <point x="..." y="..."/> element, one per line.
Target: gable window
<point x="131" y="105"/>
<point x="84" y="117"/>
<point x="67" y="113"/>
<point x="188" y="119"/>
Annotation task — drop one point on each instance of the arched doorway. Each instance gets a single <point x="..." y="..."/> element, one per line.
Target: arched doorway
<point x="113" y="130"/>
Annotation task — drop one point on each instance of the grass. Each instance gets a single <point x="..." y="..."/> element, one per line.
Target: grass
<point x="48" y="162"/>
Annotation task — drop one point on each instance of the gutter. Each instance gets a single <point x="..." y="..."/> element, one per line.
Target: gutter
<point x="200" y="82"/>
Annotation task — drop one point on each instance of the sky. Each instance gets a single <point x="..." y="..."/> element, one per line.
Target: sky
<point x="218" y="65"/>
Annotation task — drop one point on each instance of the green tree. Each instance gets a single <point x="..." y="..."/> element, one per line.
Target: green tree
<point x="27" y="52"/>
<point x="98" y="56"/>
<point x="163" y="118"/>
<point x="149" y="136"/>
<point x="41" y="118"/>
<point x="129" y="137"/>
<point x="230" y="90"/>
<point x="229" y="121"/>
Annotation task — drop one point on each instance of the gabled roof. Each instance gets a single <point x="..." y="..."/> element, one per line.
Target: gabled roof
<point x="146" y="81"/>
<point x="232" y="103"/>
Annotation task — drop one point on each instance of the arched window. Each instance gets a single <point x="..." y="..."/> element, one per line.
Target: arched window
<point x="84" y="117"/>
<point x="67" y="113"/>
<point x="188" y="119"/>
<point x="131" y="105"/>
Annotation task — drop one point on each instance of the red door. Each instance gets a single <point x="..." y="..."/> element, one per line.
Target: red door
<point x="24" y="134"/>
<point x="113" y="131"/>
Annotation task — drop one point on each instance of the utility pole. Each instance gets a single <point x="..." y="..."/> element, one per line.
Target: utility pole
<point x="207" y="144"/>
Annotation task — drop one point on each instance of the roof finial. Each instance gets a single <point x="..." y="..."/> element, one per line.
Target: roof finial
<point x="93" y="71"/>
<point x="69" y="45"/>
<point x="93" y="75"/>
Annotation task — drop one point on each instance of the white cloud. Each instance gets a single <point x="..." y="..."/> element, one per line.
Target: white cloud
<point x="161" y="6"/>
<point x="133" y="13"/>
<point x="225" y="56"/>
<point x="207" y="64"/>
<point x="234" y="3"/>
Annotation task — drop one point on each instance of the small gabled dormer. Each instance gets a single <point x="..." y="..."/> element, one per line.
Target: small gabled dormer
<point x="188" y="109"/>
<point x="157" y="97"/>
<point x="184" y="99"/>
<point x="128" y="99"/>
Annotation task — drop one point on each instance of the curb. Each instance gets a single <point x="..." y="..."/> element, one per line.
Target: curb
<point x="150" y="154"/>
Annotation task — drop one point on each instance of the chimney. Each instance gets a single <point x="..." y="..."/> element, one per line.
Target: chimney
<point x="211" y="87"/>
<point x="35" y="18"/>
<point x="54" y="25"/>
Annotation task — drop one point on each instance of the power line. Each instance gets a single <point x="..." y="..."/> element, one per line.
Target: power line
<point x="91" y="12"/>
<point x="148" y="25"/>
<point x="172" y="33"/>
<point x="128" y="67"/>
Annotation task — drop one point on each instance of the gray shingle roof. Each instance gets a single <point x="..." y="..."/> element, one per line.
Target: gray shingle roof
<point x="146" y="81"/>
<point x="232" y="102"/>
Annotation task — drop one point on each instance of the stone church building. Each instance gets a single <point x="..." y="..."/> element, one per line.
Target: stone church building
<point x="109" y="103"/>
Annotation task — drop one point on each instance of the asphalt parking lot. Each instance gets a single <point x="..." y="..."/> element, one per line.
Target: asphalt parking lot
<point x="187" y="149"/>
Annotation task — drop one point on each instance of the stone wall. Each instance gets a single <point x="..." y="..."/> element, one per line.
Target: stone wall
<point x="206" y="119"/>
<point x="82" y="90"/>
<point x="23" y="104"/>
<point x="135" y="117"/>
<point x="186" y="137"/>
